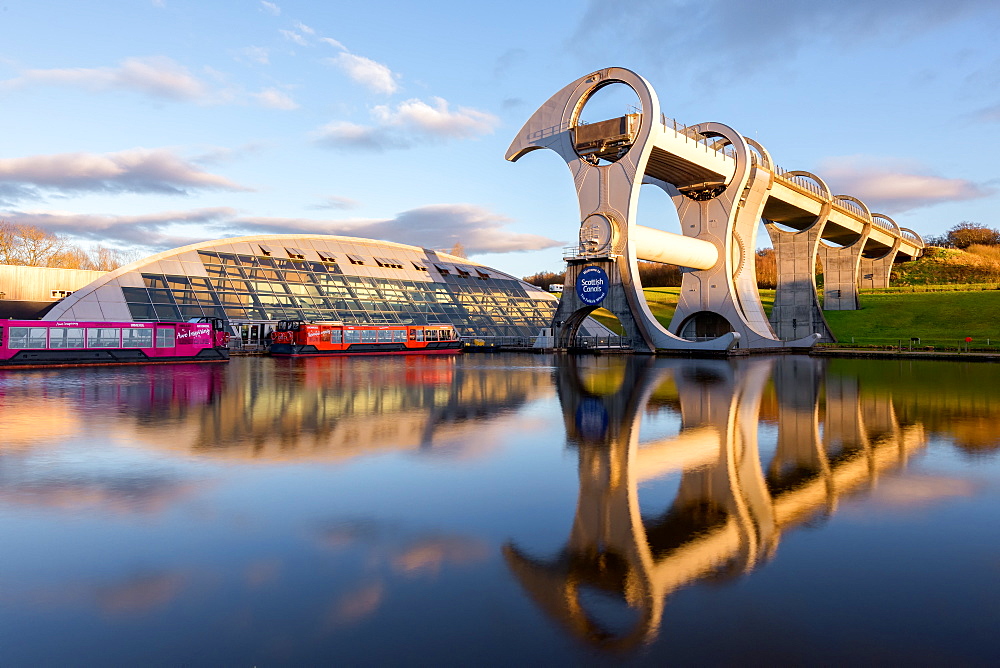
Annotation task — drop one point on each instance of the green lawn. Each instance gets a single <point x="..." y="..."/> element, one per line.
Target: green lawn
<point x="663" y="302"/>
<point x="939" y="319"/>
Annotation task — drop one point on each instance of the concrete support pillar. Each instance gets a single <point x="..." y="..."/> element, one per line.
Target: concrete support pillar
<point x="875" y="272"/>
<point x="840" y="275"/>
<point x="572" y="310"/>
<point x="796" y="311"/>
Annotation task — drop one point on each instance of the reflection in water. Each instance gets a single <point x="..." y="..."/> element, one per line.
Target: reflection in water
<point x="390" y="511"/>
<point x="325" y="408"/>
<point x="731" y="506"/>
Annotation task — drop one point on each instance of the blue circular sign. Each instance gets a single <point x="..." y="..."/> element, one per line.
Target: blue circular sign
<point x="592" y="285"/>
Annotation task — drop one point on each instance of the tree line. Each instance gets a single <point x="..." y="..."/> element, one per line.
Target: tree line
<point x="30" y="246"/>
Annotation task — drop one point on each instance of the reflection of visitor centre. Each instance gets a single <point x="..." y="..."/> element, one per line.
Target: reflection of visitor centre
<point x="261" y="279"/>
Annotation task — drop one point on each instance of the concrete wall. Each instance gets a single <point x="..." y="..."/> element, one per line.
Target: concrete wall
<point x="37" y="283"/>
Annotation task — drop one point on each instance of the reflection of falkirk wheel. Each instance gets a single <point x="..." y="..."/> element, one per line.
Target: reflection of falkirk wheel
<point x="723" y="185"/>
<point x="735" y="498"/>
<point x="718" y="523"/>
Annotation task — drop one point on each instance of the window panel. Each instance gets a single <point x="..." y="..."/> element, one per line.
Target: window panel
<point x="142" y="311"/>
<point x="165" y="337"/>
<point x="66" y="337"/>
<point x="167" y="313"/>
<point x="137" y="338"/>
<point x="22" y="338"/>
<point x="160" y="296"/>
<point x="135" y="295"/>
<point x="104" y="337"/>
<point x="200" y="283"/>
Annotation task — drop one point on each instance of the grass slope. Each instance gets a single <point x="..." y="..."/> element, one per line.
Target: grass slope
<point x="663" y="302"/>
<point x="939" y="319"/>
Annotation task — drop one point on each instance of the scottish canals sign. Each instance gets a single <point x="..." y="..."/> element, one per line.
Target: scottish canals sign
<point x="592" y="285"/>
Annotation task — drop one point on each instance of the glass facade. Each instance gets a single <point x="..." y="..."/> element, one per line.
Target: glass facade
<point x="262" y="288"/>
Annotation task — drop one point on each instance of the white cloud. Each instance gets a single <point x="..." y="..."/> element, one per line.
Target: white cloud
<point x="342" y="134"/>
<point x="275" y="99"/>
<point x="410" y="122"/>
<point x="892" y="186"/>
<point x="434" y="226"/>
<point x="335" y="202"/>
<point x="332" y="42"/>
<point x="302" y="27"/>
<point x="256" y="54"/>
<point x="293" y="36"/>
<point x="270" y="8"/>
<point x="437" y="120"/>
<point x="156" y="77"/>
<point x="722" y="39"/>
<point x="136" y="171"/>
<point x="372" y="75"/>
<point x="147" y="230"/>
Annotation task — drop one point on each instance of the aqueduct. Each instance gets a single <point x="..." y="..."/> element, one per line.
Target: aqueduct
<point x="723" y="185"/>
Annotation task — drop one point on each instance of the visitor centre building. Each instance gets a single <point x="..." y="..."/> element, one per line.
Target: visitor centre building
<point x="253" y="282"/>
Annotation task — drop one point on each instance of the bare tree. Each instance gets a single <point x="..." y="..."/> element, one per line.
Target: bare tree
<point x="458" y="250"/>
<point x="31" y="246"/>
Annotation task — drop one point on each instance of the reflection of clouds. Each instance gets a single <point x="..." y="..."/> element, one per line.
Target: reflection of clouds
<point x="388" y="550"/>
<point x="135" y="593"/>
<point x="262" y="572"/>
<point x="129" y="493"/>
<point x="916" y="492"/>
<point x="476" y="439"/>
<point x="22" y="427"/>
<point x="428" y="555"/>
<point x="358" y="604"/>
<point x="346" y="533"/>
<point x="141" y="593"/>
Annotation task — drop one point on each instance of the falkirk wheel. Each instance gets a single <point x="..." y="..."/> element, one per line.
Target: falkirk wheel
<point x="723" y="186"/>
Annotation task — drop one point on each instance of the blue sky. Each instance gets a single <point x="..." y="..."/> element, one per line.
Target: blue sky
<point x="155" y="123"/>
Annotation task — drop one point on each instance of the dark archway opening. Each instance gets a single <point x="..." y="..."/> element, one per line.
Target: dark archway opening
<point x="704" y="325"/>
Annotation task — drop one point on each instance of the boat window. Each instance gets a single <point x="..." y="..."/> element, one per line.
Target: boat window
<point x="27" y="337"/>
<point x="66" y="337"/>
<point x="104" y="337"/>
<point x="336" y="336"/>
<point x="399" y="335"/>
<point x="137" y="338"/>
<point x="369" y="335"/>
<point x="352" y="336"/>
<point x="164" y="337"/>
<point x="420" y="335"/>
<point x="432" y="335"/>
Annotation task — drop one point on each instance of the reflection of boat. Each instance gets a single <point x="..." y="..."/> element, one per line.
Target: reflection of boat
<point x="296" y="338"/>
<point x="733" y="497"/>
<point x="47" y="344"/>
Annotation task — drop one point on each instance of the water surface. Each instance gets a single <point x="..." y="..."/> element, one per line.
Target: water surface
<point x="499" y="509"/>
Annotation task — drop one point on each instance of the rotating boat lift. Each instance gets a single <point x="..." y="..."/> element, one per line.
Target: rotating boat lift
<point x="723" y="185"/>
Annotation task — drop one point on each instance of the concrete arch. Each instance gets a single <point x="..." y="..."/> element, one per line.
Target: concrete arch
<point x="839" y="199"/>
<point x="890" y="223"/>
<point x="766" y="161"/>
<point x="815" y="179"/>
